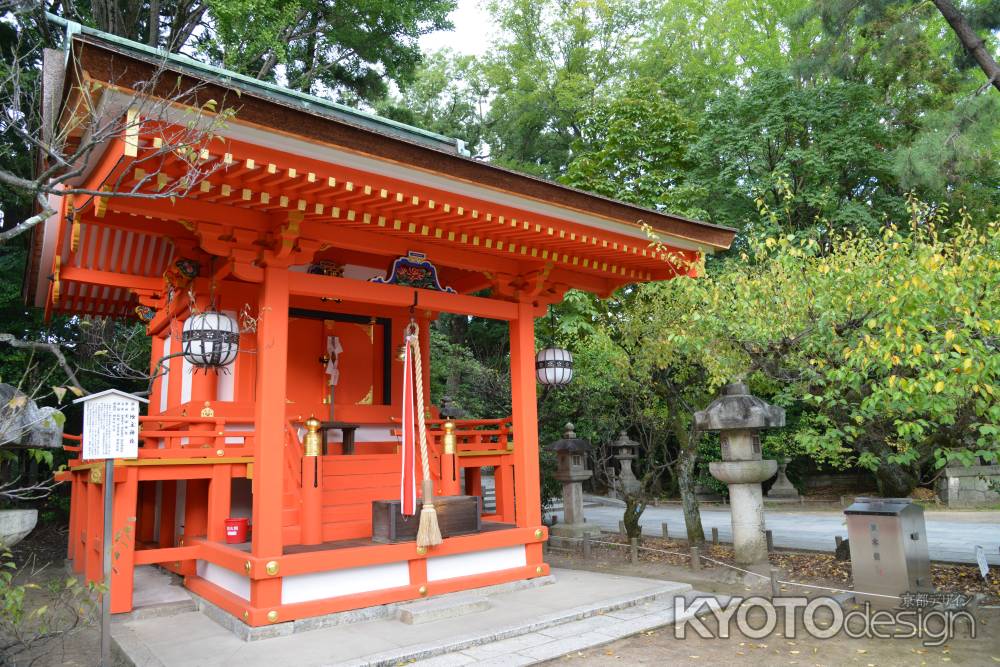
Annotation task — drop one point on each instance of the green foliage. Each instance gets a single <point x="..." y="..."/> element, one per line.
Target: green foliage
<point x="635" y="146"/>
<point x="886" y="342"/>
<point x="955" y="155"/>
<point x="820" y="151"/>
<point x="551" y="64"/>
<point x="482" y="391"/>
<point x="350" y="48"/>
<point x="447" y="95"/>
<point x="33" y="613"/>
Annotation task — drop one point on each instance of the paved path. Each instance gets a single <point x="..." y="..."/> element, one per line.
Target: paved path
<point x="523" y="624"/>
<point x="952" y="536"/>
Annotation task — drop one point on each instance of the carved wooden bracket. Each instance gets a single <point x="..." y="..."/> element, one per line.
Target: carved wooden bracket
<point x="533" y="286"/>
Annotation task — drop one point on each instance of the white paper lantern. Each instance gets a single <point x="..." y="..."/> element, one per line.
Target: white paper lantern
<point x="210" y="340"/>
<point x="554" y="366"/>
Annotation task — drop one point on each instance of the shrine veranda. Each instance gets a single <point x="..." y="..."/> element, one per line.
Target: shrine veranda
<point x="317" y="223"/>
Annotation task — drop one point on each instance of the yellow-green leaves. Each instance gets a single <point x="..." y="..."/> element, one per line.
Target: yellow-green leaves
<point x="891" y="339"/>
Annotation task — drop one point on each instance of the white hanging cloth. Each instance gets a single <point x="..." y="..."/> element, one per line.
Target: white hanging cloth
<point x="333" y="350"/>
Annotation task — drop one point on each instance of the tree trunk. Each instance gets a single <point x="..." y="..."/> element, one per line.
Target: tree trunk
<point x="153" y="29"/>
<point x="894" y="480"/>
<point x="970" y="40"/>
<point x="634" y="507"/>
<point x="686" y="459"/>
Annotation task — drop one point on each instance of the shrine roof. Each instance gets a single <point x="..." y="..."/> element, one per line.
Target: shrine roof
<point x="416" y="146"/>
<point x="265" y="89"/>
<point x="354" y="179"/>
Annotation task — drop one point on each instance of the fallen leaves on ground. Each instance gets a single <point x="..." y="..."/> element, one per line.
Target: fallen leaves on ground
<point x="806" y="568"/>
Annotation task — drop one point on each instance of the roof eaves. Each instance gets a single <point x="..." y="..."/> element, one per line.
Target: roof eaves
<point x="310" y="103"/>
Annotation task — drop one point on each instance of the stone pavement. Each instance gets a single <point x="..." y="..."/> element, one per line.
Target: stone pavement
<point x="518" y="627"/>
<point x="951" y="536"/>
<point x="550" y="643"/>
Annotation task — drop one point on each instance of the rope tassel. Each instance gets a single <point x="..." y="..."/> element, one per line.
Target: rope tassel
<point x="428" y="533"/>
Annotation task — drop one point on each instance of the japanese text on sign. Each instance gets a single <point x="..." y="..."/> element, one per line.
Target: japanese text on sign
<point x="111" y="428"/>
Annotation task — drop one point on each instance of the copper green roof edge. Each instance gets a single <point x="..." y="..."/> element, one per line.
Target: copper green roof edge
<point x="305" y="101"/>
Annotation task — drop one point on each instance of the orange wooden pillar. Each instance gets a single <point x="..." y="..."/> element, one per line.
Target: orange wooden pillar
<point x="219" y="500"/>
<point x="503" y="488"/>
<point x="474" y="482"/>
<point x="525" y="426"/>
<point x="450" y="484"/>
<point x="146" y="513"/>
<point x="156" y="392"/>
<point x="197" y="494"/>
<point x="74" y="515"/>
<point x="168" y="513"/>
<point x="123" y="538"/>
<point x="175" y="367"/>
<point x="95" y="530"/>
<point x="82" y="521"/>
<point x="196" y="508"/>
<point x="269" y="440"/>
<point x="311" y="519"/>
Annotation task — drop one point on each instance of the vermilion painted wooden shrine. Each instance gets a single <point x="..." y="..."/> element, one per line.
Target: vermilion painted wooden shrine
<point x="309" y="202"/>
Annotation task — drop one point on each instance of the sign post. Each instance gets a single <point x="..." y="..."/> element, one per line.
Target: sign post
<point x="110" y="431"/>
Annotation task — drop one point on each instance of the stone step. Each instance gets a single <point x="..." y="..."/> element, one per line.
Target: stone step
<point x="441" y="608"/>
<point x="522" y="625"/>
<point x="545" y="637"/>
<point x="569" y="637"/>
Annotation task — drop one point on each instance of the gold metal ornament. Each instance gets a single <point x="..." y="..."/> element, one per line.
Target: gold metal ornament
<point x="539" y="570"/>
<point x="538" y="533"/>
<point x="421" y="551"/>
<point x="422" y="590"/>
<point x="313" y="440"/>
<point x="248" y="566"/>
<point x="272" y="567"/>
<point x="246" y="615"/>
<point x="272" y="616"/>
<point x="450" y="440"/>
<point x="207" y="412"/>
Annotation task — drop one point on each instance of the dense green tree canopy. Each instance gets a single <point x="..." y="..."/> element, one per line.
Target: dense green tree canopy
<point x="346" y="48"/>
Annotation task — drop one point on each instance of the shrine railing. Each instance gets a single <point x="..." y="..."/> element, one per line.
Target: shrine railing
<point x="189" y="438"/>
<point x="195" y="437"/>
<point x="475" y="437"/>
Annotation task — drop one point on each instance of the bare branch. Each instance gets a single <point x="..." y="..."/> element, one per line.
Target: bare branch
<point x="165" y="122"/>
<point x="52" y="348"/>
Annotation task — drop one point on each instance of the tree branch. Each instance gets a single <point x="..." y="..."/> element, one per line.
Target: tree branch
<point x="970" y="40"/>
<point x="52" y="348"/>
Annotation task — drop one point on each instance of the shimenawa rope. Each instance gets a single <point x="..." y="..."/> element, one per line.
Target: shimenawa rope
<point x="428" y="533"/>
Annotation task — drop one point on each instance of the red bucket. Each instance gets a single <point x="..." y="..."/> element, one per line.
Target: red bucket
<point x="236" y="530"/>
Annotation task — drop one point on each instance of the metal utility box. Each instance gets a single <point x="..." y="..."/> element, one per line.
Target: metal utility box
<point x="889" y="555"/>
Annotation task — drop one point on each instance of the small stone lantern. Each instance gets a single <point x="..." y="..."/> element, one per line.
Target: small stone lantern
<point x="572" y="472"/>
<point x="783" y="489"/>
<point x="625" y="449"/>
<point x="738" y="417"/>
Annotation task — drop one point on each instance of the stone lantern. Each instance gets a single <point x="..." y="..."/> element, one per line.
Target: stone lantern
<point x="572" y="471"/>
<point x="783" y="489"/>
<point x="625" y="449"/>
<point x="739" y="417"/>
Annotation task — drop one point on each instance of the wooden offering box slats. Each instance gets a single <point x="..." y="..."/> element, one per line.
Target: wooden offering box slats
<point x="457" y="515"/>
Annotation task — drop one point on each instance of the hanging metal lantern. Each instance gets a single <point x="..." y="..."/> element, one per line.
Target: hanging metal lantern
<point x="210" y="340"/>
<point x="554" y="366"/>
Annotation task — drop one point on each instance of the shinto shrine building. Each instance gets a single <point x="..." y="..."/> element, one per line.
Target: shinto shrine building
<point x="321" y="230"/>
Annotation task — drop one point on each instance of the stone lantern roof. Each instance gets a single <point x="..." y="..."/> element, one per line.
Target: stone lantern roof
<point x="569" y="442"/>
<point x="738" y="410"/>
<point x="624" y="441"/>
